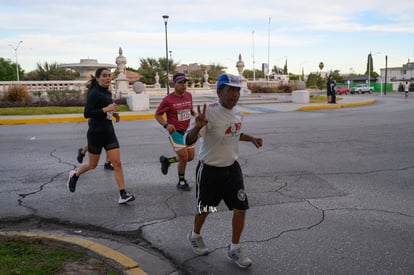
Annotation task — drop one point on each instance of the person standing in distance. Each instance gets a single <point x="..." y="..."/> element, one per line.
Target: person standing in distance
<point x="99" y="109"/>
<point x="178" y="107"/>
<point x="333" y="92"/>
<point x="329" y="89"/>
<point x="406" y="89"/>
<point x="218" y="174"/>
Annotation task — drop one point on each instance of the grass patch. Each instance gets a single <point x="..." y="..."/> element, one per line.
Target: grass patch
<point x="25" y="257"/>
<point x="49" y="110"/>
<point x="321" y="98"/>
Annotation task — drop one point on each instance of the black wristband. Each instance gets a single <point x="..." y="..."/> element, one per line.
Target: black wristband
<point x="165" y="125"/>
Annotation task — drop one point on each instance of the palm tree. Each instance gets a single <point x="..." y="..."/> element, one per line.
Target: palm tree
<point x="51" y="71"/>
<point x="321" y="65"/>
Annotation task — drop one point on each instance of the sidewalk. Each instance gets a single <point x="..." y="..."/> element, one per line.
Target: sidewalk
<point x="251" y="108"/>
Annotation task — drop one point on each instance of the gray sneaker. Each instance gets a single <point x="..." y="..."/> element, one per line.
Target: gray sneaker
<point x="198" y="245"/>
<point x="237" y="257"/>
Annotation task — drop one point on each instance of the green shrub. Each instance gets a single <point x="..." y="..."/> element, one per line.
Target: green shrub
<point x="64" y="95"/>
<point x="285" y="88"/>
<point x="282" y="88"/>
<point x="17" y="93"/>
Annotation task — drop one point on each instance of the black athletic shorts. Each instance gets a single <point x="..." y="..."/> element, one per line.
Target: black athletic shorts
<point x="102" y="138"/>
<point x="220" y="183"/>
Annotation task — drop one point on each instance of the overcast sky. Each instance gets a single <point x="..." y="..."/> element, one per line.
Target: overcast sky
<point x="340" y="34"/>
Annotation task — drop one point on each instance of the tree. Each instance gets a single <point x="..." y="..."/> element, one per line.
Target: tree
<point x="337" y="76"/>
<point x="285" y="68"/>
<point x="312" y="81"/>
<point x="8" y="70"/>
<point x="277" y="70"/>
<point x="321" y="65"/>
<point x="293" y="76"/>
<point x="370" y="66"/>
<point x="214" y="71"/>
<point x="249" y="74"/>
<point x="51" y="71"/>
<point x="149" y="67"/>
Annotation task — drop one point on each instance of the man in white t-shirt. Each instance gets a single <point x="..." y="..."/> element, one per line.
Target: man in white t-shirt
<point x="218" y="174"/>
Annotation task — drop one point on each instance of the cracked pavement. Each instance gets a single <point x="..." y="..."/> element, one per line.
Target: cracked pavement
<point x="330" y="192"/>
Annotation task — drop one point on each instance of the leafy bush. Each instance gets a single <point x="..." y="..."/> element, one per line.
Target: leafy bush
<point x="286" y="88"/>
<point x="282" y="88"/>
<point x="64" y="95"/>
<point x="56" y="98"/>
<point x="17" y="93"/>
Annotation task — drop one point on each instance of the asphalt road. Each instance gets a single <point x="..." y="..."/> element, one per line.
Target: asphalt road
<point x="331" y="191"/>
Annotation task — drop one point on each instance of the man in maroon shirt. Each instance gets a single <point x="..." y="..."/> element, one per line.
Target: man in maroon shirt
<point x="178" y="107"/>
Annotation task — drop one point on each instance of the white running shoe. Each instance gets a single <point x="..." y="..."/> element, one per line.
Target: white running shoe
<point x="237" y="257"/>
<point x="198" y="245"/>
<point x="126" y="197"/>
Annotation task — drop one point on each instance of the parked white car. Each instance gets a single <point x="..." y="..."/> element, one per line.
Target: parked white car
<point x="361" y="89"/>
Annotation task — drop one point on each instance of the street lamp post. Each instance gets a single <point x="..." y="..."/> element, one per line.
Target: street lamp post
<point x="17" y="64"/>
<point x="165" y="17"/>
<point x="268" y="50"/>
<point x="254" y="69"/>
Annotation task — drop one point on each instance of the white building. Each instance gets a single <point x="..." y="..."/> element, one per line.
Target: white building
<point x="396" y="75"/>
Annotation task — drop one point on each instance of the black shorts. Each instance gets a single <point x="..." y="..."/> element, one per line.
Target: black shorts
<point x="220" y="183"/>
<point x="103" y="138"/>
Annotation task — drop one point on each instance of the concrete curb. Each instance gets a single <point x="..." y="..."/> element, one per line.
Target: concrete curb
<point x="44" y="119"/>
<point x="51" y="119"/>
<point x="102" y="252"/>
<point x="72" y="118"/>
<point x="336" y="106"/>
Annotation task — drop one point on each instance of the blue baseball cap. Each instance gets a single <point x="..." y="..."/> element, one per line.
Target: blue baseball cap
<point x="229" y="80"/>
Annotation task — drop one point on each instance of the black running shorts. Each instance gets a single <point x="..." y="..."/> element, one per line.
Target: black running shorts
<point x="102" y="138"/>
<point x="220" y="183"/>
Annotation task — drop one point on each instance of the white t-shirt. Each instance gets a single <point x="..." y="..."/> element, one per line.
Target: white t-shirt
<point x="219" y="139"/>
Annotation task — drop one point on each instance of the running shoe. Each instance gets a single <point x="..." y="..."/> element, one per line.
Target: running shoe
<point x="183" y="185"/>
<point x="164" y="165"/>
<point x="126" y="197"/>
<point x="80" y="155"/>
<point x="198" y="245"/>
<point x="237" y="257"/>
<point x="108" y="166"/>
<point x="72" y="181"/>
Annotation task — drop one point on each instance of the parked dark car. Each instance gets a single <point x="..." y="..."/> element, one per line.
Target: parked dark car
<point x="340" y="90"/>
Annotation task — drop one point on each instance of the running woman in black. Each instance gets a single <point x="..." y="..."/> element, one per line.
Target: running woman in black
<point x="99" y="109"/>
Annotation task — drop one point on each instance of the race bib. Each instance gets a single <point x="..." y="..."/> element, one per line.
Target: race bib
<point x="183" y="114"/>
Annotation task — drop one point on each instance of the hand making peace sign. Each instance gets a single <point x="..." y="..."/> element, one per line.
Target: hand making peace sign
<point x="200" y="119"/>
